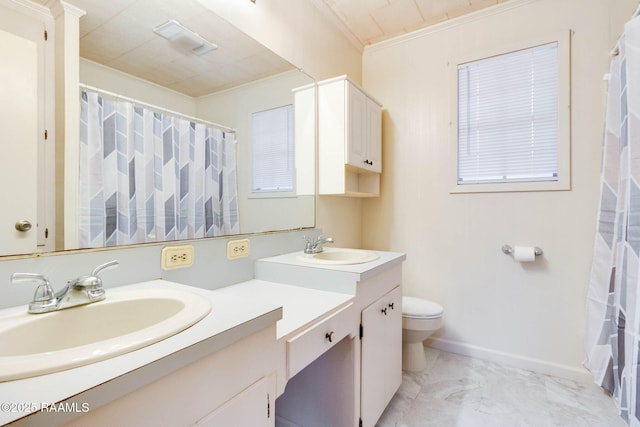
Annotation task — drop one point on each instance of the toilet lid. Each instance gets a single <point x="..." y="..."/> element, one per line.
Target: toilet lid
<point x="419" y="307"/>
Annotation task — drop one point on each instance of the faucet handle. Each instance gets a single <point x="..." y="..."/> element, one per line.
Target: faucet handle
<point x="44" y="291"/>
<point x="93" y="283"/>
<point x="43" y="296"/>
<point x="104" y="266"/>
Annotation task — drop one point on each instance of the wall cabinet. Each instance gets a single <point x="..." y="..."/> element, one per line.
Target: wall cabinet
<point x="381" y="355"/>
<point x="349" y="139"/>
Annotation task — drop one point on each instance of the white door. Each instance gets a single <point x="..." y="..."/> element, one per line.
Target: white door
<point x="19" y="121"/>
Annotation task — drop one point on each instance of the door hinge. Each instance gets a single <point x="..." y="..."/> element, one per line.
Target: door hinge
<point x="360" y="423"/>
<point x="46" y="233"/>
<point x="361" y="331"/>
<point x="46" y="35"/>
<point x="268" y="406"/>
<point x="46" y="134"/>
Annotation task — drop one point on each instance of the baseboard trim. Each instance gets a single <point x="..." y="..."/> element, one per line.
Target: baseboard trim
<point x="536" y="365"/>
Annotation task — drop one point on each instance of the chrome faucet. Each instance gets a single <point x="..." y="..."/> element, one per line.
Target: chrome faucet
<point x="316" y="245"/>
<point x="79" y="291"/>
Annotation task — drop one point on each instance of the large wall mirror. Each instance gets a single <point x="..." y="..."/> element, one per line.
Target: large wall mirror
<point x="236" y="83"/>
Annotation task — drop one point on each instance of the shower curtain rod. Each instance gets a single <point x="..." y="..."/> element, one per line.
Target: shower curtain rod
<point x="156" y="108"/>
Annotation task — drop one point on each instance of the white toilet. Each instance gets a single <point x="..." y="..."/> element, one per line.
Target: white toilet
<point x="420" y="318"/>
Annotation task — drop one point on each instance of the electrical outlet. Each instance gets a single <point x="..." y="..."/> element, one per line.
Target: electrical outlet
<point x="177" y="257"/>
<point x="238" y="248"/>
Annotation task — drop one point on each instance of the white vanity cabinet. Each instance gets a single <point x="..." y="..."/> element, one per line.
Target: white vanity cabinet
<point x="235" y="386"/>
<point x="381" y="355"/>
<point x="349" y="138"/>
<point x="376" y="310"/>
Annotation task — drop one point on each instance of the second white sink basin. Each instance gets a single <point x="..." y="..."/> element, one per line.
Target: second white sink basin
<point x="339" y="256"/>
<point x="36" y="344"/>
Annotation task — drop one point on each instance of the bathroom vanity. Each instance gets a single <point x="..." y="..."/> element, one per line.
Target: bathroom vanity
<point x="301" y="344"/>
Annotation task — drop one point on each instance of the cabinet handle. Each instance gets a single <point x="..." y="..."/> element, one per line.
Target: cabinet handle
<point x="391" y="304"/>
<point x="329" y="336"/>
<point x="384" y="310"/>
<point x="368" y="162"/>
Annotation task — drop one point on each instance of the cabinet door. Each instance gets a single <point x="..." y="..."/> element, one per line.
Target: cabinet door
<point x="381" y="355"/>
<point x="356" y="132"/>
<point x="252" y="407"/>
<point x="393" y="344"/>
<point x="374" y="136"/>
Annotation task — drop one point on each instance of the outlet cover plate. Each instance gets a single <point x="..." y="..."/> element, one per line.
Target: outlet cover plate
<point x="238" y="248"/>
<point x="177" y="257"/>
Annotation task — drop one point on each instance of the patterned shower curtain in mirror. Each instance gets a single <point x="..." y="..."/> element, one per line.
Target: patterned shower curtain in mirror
<point x="613" y="300"/>
<point x="146" y="176"/>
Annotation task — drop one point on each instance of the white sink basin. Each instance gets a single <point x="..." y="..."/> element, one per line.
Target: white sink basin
<point x="36" y="344"/>
<point x="339" y="256"/>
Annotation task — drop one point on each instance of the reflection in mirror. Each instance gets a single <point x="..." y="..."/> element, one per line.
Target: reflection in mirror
<point x="121" y="54"/>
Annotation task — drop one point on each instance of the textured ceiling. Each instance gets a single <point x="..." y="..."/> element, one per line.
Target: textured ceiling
<point x="119" y="34"/>
<point x="372" y="21"/>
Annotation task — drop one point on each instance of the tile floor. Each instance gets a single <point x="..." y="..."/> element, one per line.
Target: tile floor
<point x="459" y="391"/>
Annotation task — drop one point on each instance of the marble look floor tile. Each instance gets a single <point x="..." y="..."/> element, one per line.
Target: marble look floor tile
<point x="461" y="391"/>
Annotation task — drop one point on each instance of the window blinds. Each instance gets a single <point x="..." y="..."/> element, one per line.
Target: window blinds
<point x="508" y="117"/>
<point x="273" y="150"/>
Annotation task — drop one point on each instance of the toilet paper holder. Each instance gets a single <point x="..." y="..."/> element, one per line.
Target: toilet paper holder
<point x="508" y="250"/>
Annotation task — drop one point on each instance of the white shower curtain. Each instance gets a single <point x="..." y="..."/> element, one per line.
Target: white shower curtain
<point x="613" y="301"/>
<point x="147" y="176"/>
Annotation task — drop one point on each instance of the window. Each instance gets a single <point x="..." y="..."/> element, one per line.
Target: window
<point x="273" y="152"/>
<point x="511" y="128"/>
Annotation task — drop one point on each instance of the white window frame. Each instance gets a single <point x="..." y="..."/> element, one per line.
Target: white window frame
<point x="564" y="119"/>
<point x="266" y="194"/>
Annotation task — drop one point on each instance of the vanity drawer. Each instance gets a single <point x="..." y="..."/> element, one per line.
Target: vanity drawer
<point x="309" y="344"/>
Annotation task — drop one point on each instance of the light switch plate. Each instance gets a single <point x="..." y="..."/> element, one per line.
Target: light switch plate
<point x="238" y="248"/>
<point x="177" y="257"/>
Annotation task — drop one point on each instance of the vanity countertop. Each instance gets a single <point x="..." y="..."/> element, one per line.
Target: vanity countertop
<point x="237" y="311"/>
<point x="361" y="271"/>
<point x="292" y="269"/>
<point x="300" y="305"/>
<point x="221" y="327"/>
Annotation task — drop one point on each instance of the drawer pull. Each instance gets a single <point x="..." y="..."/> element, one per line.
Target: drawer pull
<point x="384" y="311"/>
<point x="391" y="304"/>
<point x="329" y="336"/>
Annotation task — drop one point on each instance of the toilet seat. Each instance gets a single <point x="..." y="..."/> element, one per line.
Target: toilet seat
<point x="419" y="308"/>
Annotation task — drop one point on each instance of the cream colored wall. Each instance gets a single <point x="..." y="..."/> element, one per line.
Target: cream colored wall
<point x="112" y="80"/>
<point x="530" y="315"/>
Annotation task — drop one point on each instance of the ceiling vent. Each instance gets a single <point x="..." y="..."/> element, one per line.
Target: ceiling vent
<point x="184" y="38"/>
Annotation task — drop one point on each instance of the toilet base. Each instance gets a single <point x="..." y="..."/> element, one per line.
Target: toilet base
<point x="413" y="357"/>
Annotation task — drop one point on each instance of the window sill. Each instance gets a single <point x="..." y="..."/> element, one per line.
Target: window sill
<point x="511" y="187"/>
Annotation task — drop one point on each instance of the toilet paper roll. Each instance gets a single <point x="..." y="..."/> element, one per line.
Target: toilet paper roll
<point x="524" y="253"/>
